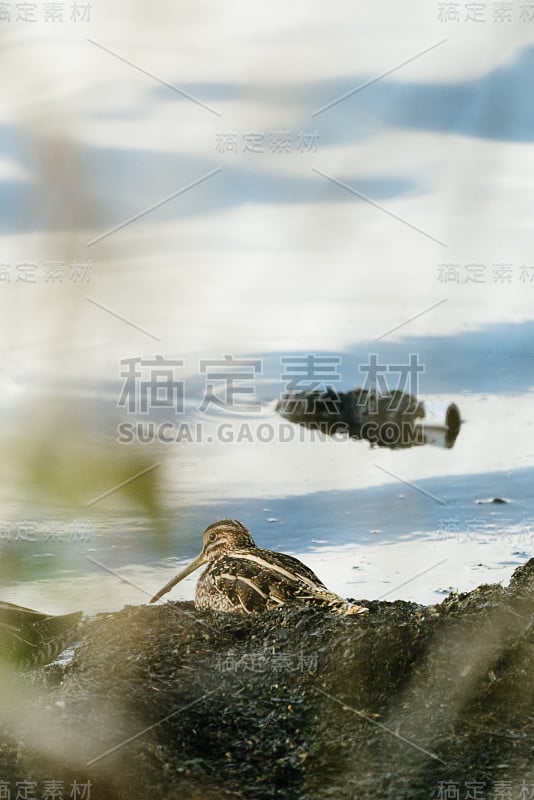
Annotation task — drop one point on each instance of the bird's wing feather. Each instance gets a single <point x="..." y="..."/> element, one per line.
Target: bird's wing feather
<point x="286" y="566"/>
<point x="243" y="591"/>
<point x="258" y="580"/>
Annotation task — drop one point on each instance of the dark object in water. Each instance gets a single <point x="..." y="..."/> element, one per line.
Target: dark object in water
<point x="394" y="419"/>
<point x="31" y="639"/>
<point x="488" y="500"/>
<point x="243" y="578"/>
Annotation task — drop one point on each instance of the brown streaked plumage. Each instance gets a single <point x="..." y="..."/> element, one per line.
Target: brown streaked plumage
<point x="244" y="578"/>
<point x="29" y="638"/>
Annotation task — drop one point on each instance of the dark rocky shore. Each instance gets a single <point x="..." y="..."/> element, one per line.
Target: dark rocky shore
<point x="168" y="702"/>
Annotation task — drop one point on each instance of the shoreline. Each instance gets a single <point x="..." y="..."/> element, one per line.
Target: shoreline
<point x="167" y="701"/>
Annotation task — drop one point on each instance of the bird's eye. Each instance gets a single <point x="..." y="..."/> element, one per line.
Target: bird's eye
<point x="212" y="537"/>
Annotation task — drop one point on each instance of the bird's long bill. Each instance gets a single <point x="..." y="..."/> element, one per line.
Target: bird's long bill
<point x="195" y="564"/>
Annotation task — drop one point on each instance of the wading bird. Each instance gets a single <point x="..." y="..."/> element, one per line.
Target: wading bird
<point x="242" y="577"/>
